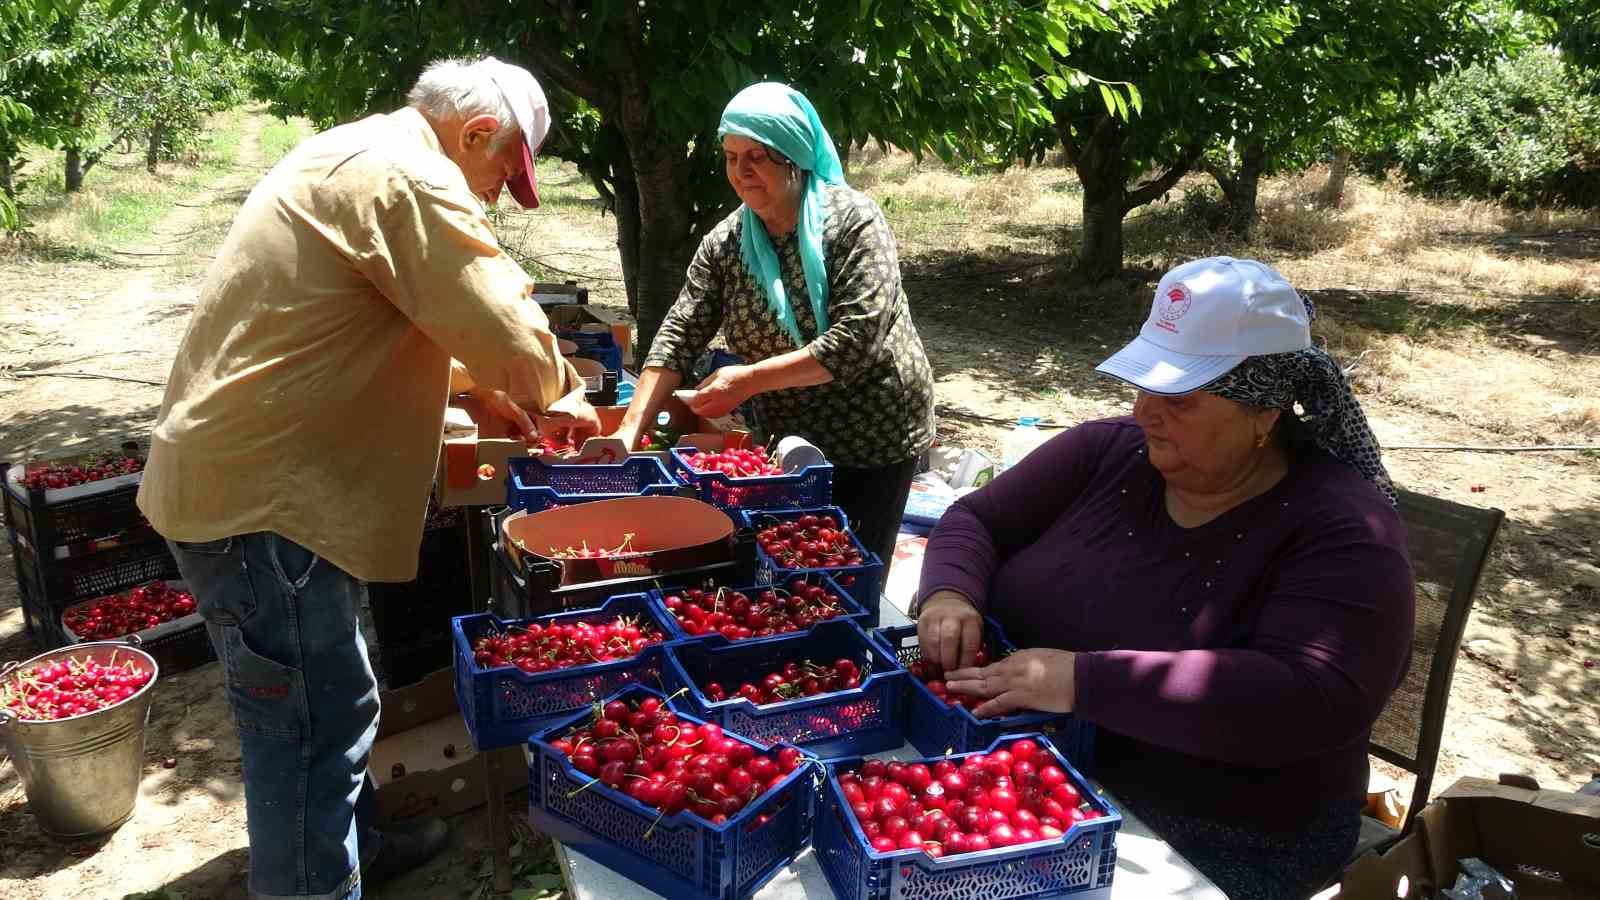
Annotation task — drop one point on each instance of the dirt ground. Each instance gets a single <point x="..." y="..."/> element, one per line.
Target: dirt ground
<point x="1466" y="326"/>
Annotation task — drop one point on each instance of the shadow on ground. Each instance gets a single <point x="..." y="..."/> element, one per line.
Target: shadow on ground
<point x="1540" y="586"/>
<point x="1582" y="244"/>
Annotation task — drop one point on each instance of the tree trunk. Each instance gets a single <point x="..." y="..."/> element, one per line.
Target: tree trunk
<point x="8" y="183"/>
<point x="1332" y="193"/>
<point x="626" y="208"/>
<point x="666" y="239"/>
<point x="74" y="173"/>
<point x="152" y="152"/>
<point x="1242" y="190"/>
<point x="1099" y="165"/>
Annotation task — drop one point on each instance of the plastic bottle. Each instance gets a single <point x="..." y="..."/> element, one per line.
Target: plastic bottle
<point x="1021" y="441"/>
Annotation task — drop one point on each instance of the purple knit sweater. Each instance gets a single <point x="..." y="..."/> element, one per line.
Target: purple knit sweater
<point x="1234" y="669"/>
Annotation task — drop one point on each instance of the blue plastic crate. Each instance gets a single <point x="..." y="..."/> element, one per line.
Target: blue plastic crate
<point x="811" y="486"/>
<point x="862" y="581"/>
<point x="535" y="485"/>
<point x="600" y="346"/>
<point x="843" y="723"/>
<point x="1079" y="864"/>
<point x="503" y="705"/>
<point x="853" y="609"/>
<point x="935" y="727"/>
<point x="681" y="856"/>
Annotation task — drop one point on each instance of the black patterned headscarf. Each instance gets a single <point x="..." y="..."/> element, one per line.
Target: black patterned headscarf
<point x="1331" y="413"/>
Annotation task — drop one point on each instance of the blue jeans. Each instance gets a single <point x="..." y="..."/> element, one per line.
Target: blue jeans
<point x="286" y="626"/>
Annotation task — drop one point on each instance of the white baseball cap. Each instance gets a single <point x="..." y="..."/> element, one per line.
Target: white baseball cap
<point x="532" y="113"/>
<point x="1208" y="316"/>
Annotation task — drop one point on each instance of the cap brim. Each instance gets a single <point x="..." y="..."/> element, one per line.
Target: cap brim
<point x="1153" y="368"/>
<point x="525" y="187"/>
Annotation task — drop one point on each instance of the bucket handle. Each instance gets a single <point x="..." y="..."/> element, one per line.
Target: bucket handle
<point x="133" y="640"/>
<point x="6" y="718"/>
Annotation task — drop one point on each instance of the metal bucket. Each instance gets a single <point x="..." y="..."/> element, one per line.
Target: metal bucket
<point x="82" y="773"/>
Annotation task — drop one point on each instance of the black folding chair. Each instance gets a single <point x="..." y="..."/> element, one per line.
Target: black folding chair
<point x="1449" y="543"/>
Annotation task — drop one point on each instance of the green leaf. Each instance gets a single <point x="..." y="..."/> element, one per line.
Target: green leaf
<point x="1110" y="98"/>
<point x="539" y="887"/>
<point x="1135" y="98"/>
<point x="1058" y="37"/>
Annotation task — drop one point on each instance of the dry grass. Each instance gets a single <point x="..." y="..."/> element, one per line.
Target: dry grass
<point x="935" y="208"/>
<point x="1451" y="331"/>
<point x="120" y="200"/>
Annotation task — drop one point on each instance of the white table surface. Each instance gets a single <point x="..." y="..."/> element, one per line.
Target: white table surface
<point x="1146" y="867"/>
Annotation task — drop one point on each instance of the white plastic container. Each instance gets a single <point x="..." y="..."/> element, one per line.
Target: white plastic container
<point x="1021" y="441"/>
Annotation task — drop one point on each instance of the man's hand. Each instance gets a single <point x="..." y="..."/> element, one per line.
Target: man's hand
<point x="1037" y="679"/>
<point x="574" y="422"/>
<point x="949" y="629"/>
<point x="500" y="405"/>
<point x="723" y="391"/>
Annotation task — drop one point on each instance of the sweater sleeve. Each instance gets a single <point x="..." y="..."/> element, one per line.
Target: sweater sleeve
<point x="696" y="316"/>
<point x="862" y="299"/>
<point x="1331" y="643"/>
<point x="979" y="531"/>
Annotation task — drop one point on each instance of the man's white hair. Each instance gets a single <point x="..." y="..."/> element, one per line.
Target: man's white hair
<point x="454" y="90"/>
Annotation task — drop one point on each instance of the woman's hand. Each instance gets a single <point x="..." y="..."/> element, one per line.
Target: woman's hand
<point x="628" y="435"/>
<point x="1037" y="679"/>
<point x="949" y="629"/>
<point x="723" y="391"/>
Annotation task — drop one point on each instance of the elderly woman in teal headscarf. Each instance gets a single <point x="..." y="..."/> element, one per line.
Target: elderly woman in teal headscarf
<point x="803" y="281"/>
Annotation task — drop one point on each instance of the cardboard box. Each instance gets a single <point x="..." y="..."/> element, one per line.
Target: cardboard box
<point x="1546" y="842"/>
<point x="417" y="723"/>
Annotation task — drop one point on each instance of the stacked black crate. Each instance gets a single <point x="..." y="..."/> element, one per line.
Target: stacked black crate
<point x="412" y="619"/>
<point x="73" y="544"/>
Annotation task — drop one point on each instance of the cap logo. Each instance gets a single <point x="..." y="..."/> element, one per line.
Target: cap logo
<point x="1174" y="306"/>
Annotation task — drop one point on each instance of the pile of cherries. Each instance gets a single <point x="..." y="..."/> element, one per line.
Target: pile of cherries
<point x="145" y="606"/>
<point x="809" y="542"/>
<point x="61" y="475"/>
<point x="736" y="615"/>
<point x="930" y="674"/>
<point x="562" y="645"/>
<point x="1017" y="795"/>
<point x="68" y="687"/>
<point x="748" y="463"/>
<point x="795" y="679"/>
<point x="644" y="750"/>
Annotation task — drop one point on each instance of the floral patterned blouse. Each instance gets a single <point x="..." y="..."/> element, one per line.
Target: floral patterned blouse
<point x="878" y="410"/>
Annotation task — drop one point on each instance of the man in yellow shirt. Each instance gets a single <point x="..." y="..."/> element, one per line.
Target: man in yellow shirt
<point x="295" y="449"/>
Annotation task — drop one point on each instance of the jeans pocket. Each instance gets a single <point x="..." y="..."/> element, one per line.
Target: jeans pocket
<point x="292" y="562"/>
<point x="268" y="697"/>
<point x="219" y="576"/>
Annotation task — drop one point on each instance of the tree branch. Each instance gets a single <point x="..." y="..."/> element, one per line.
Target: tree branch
<point x="94" y="156"/>
<point x="1151" y="190"/>
<point x="1226" y="181"/>
<point x="551" y="63"/>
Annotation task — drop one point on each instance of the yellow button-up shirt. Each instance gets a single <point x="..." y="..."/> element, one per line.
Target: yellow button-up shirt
<point x="308" y="394"/>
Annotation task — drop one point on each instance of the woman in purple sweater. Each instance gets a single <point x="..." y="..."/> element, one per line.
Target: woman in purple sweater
<point x="1217" y="582"/>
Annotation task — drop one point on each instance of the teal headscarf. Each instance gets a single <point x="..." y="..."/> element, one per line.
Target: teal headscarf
<point x="783" y="119"/>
